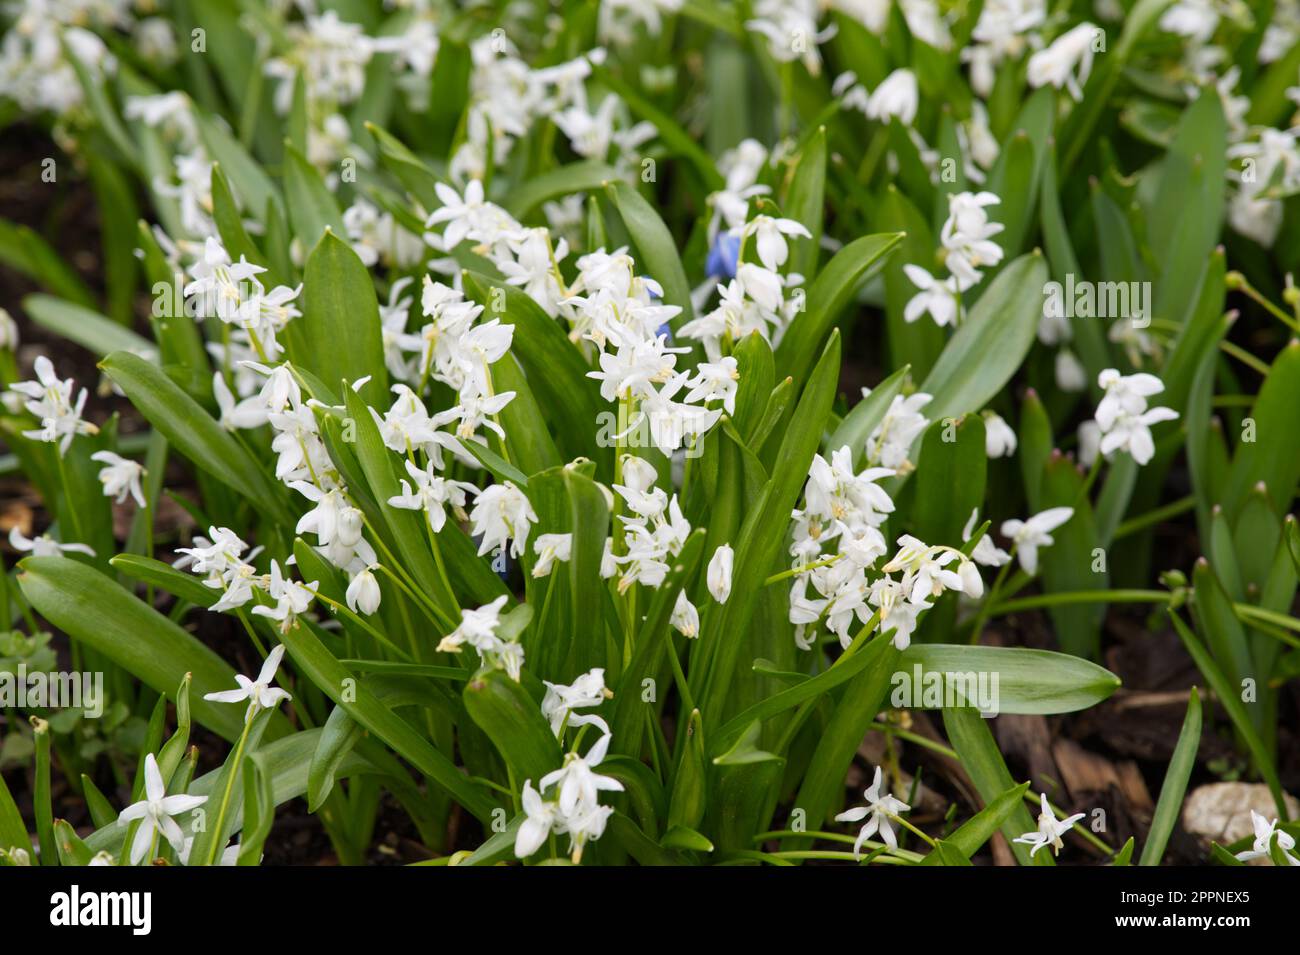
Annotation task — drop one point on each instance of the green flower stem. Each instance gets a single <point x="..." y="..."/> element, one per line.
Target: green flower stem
<point x="1153" y="517"/>
<point x="360" y="622"/>
<point x="215" y="846"/>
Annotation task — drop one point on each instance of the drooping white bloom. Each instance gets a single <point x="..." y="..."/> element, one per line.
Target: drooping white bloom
<point x="891" y="441"/>
<point x="1067" y="62"/>
<point x="1050" y="829"/>
<point x="155" y="813"/>
<point x="549" y="549"/>
<point x="363" y="593"/>
<point x="937" y="297"/>
<point x="685" y="618"/>
<point x="120" y="476"/>
<point x="719" y="573"/>
<point x="502" y="514"/>
<point x="8" y="331"/>
<point x="259" y="693"/>
<point x="576" y="781"/>
<point x="967" y="237"/>
<point x="250" y="412"/>
<point x="291" y="599"/>
<point x="880" y="806"/>
<point x="478" y="627"/>
<point x="986" y="553"/>
<point x="896" y="97"/>
<point x="1034" y="533"/>
<point x="999" y="438"/>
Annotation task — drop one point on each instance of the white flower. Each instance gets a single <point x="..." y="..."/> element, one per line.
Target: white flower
<point x="251" y="412"/>
<point x="575" y="780"/>
<point x="586" y="691"/>
<point x="770" y="236"/>
<point x="291" y="598"/>
<point x="120" y="476"/>
<point x="1050" y="829"/>
<point x="895" y="96"/>
<point x="478" y="628"/>
<point x="939" y="298"/>
<point x="1069" y="371"/>
<point x="967" y="236"/>
<point x="432" y="494"/>
<point x="8" y="331"/>
<point x="986" y="552"/>
<point x="501" y="514"/>
<point x="1124" y="393"/>
<point x="1034" y="533"/>
<point x="550" y="548"/>
<point x="889" y="444"/>
<point x="719" y="573"/>
<point x="259" y="693"/>
<point x="1265" y="831"/>
<point x="1067" y="62"/>
<point x="877" y="811"/>
<point x="50" y="399"/>
<point x="363" y="592"/>
<point x="1123" y="419"/>
<point x="1132" y="433"/>
<point x="540" y="817"/>
<point x="44" y="545"/>
<point x="999" y="439"/>
<point x="155" y="813"/>
<point x="685" y="617"/>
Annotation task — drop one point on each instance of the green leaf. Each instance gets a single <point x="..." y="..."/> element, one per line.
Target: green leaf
<point x="1170" y="803"/>
<point x="86" y="327"/>
<point x="511" y="718"/>
<point x="312" y="209"/>
<point x="805" y="204"/>
<point x="195" y="433"/>
<point x="24" y="250"/>
<point x="586" y="176"/>
<point x="830" y="294"/>
<point x="341" y="334"/>
<point x="319" y="666"/>
<point x="259" y="811"/>
<point x="1229" y="698"/>
<point x="764" y="529"/>
<point x="337" y="738"/>
<point x="950" y="482"/>
<point x="1272" y="458"/>
<point x="968" y="838"/>
<point x="970" y="737"/>
<point x="94" y="610"/>
<point x="657" y="256"/>
<point x="1019" y="679"/>
<point x="991" y="342"/>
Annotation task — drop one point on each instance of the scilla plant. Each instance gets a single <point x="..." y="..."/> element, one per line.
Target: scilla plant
<point x="509" y="363"/>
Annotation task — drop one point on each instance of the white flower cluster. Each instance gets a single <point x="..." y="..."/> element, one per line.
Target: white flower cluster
<point x="50" y="399"/>
<point x="233" y="293"/>
<point x="967" y="248"/>
<point x="849" y="508"/>
<point x="35" y="69"/>
<point x="652" y="533"/>
<point x="573" y="806"/>
<point x="220" y="559"/>
<point x="1123" y="421"/>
